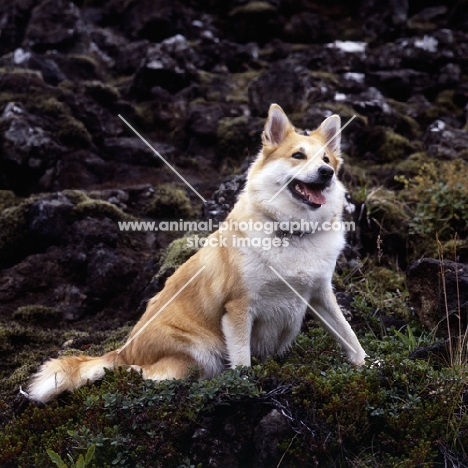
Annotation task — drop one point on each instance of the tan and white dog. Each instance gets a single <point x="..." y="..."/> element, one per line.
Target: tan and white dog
<point x="246" y="292"/>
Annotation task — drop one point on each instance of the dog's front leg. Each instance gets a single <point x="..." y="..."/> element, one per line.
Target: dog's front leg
<point x="332" y="319"/>
<point x="237" y="328"/>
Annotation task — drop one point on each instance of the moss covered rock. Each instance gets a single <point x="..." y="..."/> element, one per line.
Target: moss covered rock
<point x="7" y="199"/>
<point x="233" y="138"/>
<point x="13" y="233"/>
<point x="387" y="145"/>
<point x="170" y="201"/>
<point x="36" y="313"/>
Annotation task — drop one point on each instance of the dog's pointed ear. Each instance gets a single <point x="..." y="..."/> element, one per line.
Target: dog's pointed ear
<point x="277" y="126"/>
<point x="330" y="131"/>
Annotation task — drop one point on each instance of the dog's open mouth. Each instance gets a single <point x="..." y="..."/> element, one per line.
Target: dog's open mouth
<point x="310" y="194"/>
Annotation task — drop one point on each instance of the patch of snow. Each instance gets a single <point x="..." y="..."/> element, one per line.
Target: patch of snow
<point x="438" y="126"/>
<point x="20" y="56"/>
<point x="358" y="77"/>
<point x="427" y="43"/>
<point x="349" y="46"/>
<point x="155" y="65"/>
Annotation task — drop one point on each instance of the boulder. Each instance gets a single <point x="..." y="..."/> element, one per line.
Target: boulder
<point x="439" y="290"/>
<point x="284" y="84"/>
<point x="170" y="64"/>
<point x="445" y="142"/>
<point x="27" y="149"/>
<point x="54" y="24"/>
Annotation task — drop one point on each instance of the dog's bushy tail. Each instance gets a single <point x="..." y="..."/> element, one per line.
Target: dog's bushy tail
<point x="66" y="373"/>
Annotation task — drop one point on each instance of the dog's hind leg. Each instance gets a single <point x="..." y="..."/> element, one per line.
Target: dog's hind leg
<point x="328" y="312"/>
<point x="167" y="368"/>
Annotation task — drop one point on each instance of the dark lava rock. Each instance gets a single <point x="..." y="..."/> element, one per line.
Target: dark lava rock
<point x="43" y="63"/>
<point x="123" y="56"/>
<point x="384" y="20"/>
<point x="445" y="142"/>
<point x="54" y="24"/>
<point x="203" y="120"/>
<point x="14" y="17"/>
<point x="154" y="20"/>
<point x="27" y="149"/>
<point x="170" y="64"/>
<point x="439" y="350"/>
<point x="245" y="17"/>
<point x="336" y="57"/>
<point x="79" y="170"/>
<point x="271" y="430"/>
<point x="306" y="27"/>
<point x="70" y="300"/>
<point x="284" y="84"/>
<point x="439" y="289"/>
<point x="48" y="218"/>
<point x="107" y="271"/>
<point x="224" y="199"/>
<point x="133" y="150"/>
<point x="403" y="83"/>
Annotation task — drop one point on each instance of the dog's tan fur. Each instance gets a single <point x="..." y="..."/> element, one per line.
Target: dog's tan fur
<point x="226" y="314"/>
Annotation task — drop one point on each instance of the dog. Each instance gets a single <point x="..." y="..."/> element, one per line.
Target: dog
<point x="246" y="292"/>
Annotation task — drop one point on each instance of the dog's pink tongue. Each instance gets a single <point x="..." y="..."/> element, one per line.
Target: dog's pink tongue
<point x="316" y="196"/>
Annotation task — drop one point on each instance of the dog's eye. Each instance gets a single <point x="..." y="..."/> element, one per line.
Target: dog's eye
<point x="299" y="155"/>
<point x="326" y="159"/>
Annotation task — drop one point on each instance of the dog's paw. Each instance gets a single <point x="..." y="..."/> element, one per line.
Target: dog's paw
<point x="358" y="359"/>
<point x="135" y="368"/>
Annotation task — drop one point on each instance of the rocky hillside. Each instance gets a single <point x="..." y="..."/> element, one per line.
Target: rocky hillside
<point x="195" y="80"/>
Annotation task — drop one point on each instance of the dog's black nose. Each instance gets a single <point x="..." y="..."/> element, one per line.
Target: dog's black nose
<point x="325" y="172"/>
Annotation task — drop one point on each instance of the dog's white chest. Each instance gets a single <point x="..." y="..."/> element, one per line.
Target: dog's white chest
<point x="279" y="286"/>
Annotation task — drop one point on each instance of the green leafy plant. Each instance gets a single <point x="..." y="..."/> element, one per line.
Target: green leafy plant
<point x="438" y="200"/>
<point x="81" y="462"/>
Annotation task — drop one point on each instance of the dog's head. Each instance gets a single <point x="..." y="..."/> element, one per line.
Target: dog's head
<point x="296" y="173"/>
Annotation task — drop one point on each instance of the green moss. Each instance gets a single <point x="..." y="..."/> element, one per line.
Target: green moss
<point x="367" y="415"/>
<point x="438" y="201"/>
<point x="232" y="138"/>
<point x="99" y="208"/>
<point x="101" y="342"/>
<point x="391" y="146"/>
<point x="21" y="72"/>
<point x="86" y="64"/>
<point x="66" y="127"/>
<point x="145" y="115"/>
<point x="177" y="253"/>
<point x="444" y="100"/>
<point x="36" y="313"/>
<point x="101" y="92"/>
<point x="411" y="166"/>
<point x="384" y="206"/>
<point x="170" y="201"/>
<point x="72" y="132"/>
<point x="343" y="110"/>
<point x="234" y="90"/>
<point x="13" y="231"/>
<point x="331" y="78"/>
<point x="7" y="199"/>
<point x="454" y="248"/>
<point x="76" y="196"/>
<point x="253" y="8"/>
<point x="51" y="106"/>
